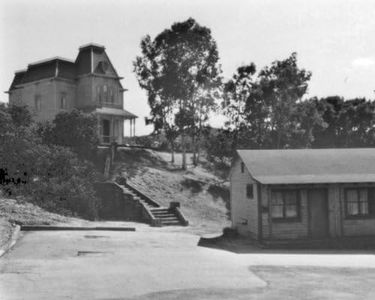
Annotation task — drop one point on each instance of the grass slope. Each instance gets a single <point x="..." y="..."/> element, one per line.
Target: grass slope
<point x="20" y="211"/>
<point x="203" y="196"/>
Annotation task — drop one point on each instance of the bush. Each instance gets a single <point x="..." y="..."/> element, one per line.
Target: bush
<point x="76" y="130"/>
<point x="48" y="175"/>
<point x="65" y="183"/>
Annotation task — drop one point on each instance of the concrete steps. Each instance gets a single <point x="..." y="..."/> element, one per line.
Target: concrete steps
<point x="166" y="216"/>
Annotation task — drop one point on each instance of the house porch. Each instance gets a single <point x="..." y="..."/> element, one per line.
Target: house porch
<point x="114" y="124"/>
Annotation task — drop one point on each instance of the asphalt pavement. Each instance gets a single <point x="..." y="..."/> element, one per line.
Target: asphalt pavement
<point x="167" y="263"/>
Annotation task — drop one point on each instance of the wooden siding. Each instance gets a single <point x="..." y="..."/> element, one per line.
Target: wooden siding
<point x="85" y="96"/>
<point x="244" y="211"/>
<point x="45" y="90"/>
<point x="338" y="224"/>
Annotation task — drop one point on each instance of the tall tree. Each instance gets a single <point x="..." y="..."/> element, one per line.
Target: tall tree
<point x="178" y="69"/>
<point x="350" y="123"/>
<point x="283" y="84"/>
<point x="261" y="106"/>
<point x="307" y="120"/>
<point x="246" y="109"/>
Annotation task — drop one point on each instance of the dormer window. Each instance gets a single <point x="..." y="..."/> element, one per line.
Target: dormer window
<point x="102" y="67"/>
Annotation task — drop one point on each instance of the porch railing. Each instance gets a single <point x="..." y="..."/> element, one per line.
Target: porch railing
<point x="107" y="139"/>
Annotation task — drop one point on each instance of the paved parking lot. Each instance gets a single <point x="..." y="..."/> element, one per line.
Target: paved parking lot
<point x="163" y="263"/>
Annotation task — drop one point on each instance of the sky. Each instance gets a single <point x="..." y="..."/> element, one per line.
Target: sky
<point x="334" y="39"/>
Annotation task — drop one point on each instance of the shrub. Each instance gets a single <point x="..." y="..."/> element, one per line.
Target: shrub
<point x="76" y="130"/>
<point x="65" y="183"/>
<point x="51" y="176"/>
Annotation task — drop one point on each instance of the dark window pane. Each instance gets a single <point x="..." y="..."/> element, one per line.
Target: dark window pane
<point x="371" y="201"/>
<point x="291" y="211"/>
<point x="363" y="203"/>
<point x="357" y="202"/>
<point x="290" y="198"/>
<point x="352" y="208"/>
<point x="284" y="204"/>
<point x="249" y="191"/>
<point x="277" y="198"/>
<point x="277" y="211"/>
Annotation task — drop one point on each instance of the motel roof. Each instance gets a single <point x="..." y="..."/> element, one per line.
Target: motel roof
<point x="310" y="166"/>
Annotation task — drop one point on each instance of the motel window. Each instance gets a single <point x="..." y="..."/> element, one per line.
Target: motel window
<point x="285" y="205"/>
<point x="250" y="191"/>
<point x="38" y="103"/>
<point x="242" y="167"/>
<point x="360" y="202"/>
<point x="63" y="103"/>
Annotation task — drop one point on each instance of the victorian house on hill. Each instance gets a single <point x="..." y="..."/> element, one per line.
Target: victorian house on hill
<point x="90" y="83"/>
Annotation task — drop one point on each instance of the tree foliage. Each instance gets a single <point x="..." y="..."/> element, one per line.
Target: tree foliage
<point x="76" y="130"/>
<point x="261" y="106"/>
<point x="269" y="110"/>
<point x="180" y="72"/>
<point x="350" y="123"/>
<point x="51" y="176"/>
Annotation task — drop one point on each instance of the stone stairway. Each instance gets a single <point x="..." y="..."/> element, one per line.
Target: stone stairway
<point x="166" y="216"/>
<point x="163" y="216"/>
<point x="148" y="204"/>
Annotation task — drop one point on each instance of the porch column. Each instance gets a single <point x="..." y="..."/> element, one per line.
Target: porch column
<point x="112" y="130"/>
<point x="269" y="211"/>
<point x="130" y="127"/>
<point x="98" y="129"/>
<point x="134" y="127"/>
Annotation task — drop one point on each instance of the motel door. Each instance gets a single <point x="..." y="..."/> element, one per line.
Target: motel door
<point x="318" y="212"/>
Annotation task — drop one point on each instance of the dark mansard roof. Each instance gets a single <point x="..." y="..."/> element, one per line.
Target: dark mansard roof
<point x="91" y="59"/>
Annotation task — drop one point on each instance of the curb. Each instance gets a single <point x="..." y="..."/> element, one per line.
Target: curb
<point x="12" y="241"/>
<point x="72" y="228"/>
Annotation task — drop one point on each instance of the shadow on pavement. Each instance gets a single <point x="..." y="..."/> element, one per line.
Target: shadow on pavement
<point x="241" y="245"/>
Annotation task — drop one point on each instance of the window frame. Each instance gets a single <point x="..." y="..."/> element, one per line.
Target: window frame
<point x="285" y="218"/>
<point x="250" y="186"/>
<point x="99" y="94"/>
<point x="63" y="104"/>
<point x="105" y="93"/>
<point x="370" y="214"/>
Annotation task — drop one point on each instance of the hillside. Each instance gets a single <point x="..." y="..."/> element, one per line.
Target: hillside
<point x="19" y="211"/>
<point x="203" y="196"/>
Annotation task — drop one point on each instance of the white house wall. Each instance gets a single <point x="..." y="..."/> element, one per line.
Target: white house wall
<point x="244" y="211"/>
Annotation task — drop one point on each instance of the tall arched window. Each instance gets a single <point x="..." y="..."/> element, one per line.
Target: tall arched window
<point x="98" y="94"/>
<point x="105" y="93"/>
<point x="111" y="95"/>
